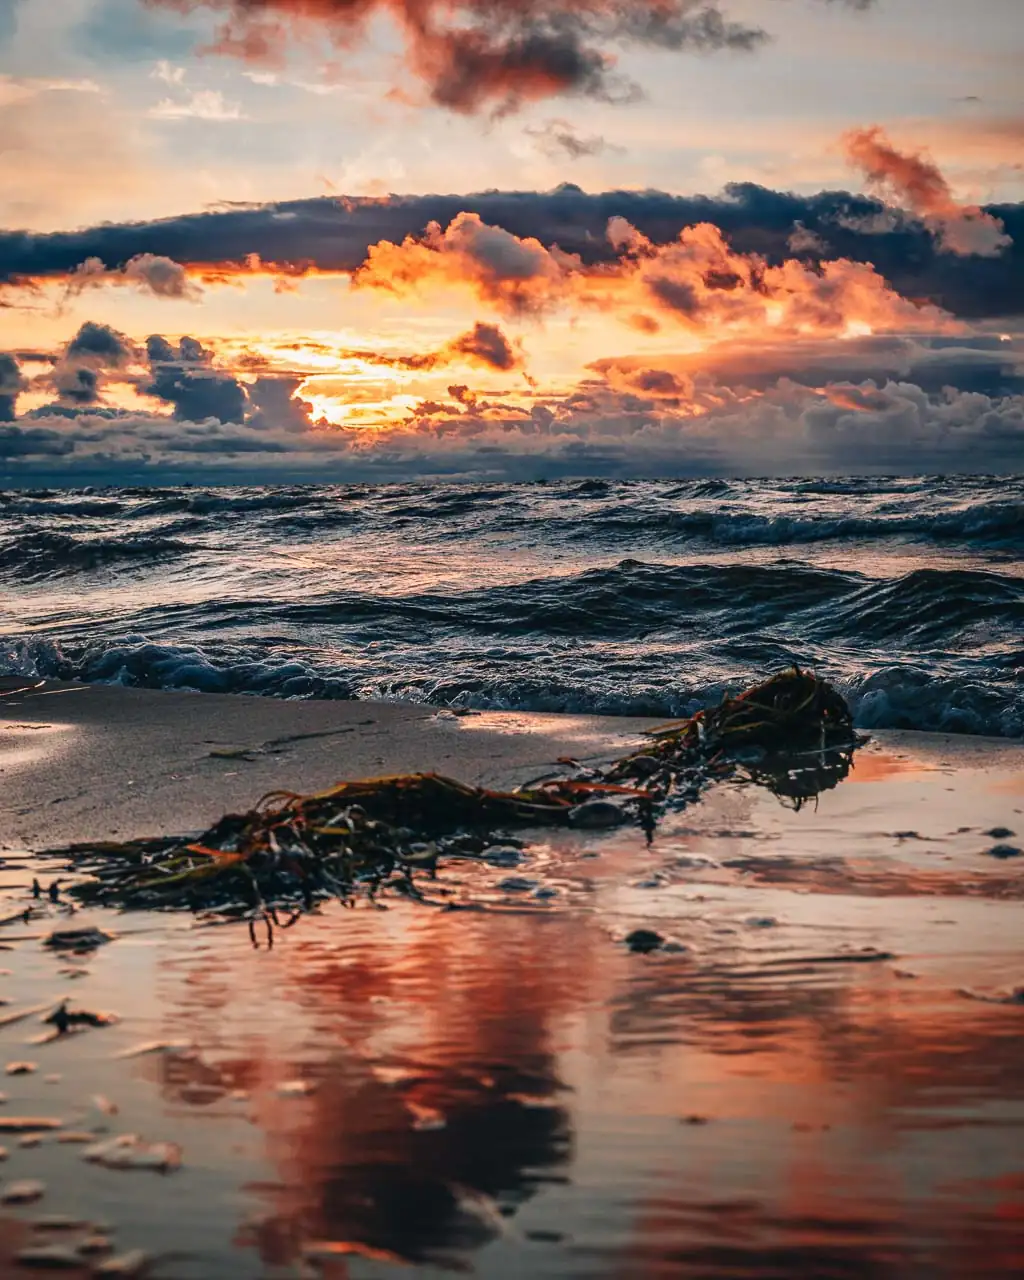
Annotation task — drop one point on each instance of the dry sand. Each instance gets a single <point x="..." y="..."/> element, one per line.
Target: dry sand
<point x="819" y="1075"/>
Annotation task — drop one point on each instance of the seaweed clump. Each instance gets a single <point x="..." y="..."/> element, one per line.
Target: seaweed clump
<point x="361" y="837"/>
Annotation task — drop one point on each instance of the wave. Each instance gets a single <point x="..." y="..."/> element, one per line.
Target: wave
<point x="139" y="663"/>
<point x="61" y="506"/>
<point x="897" y="696"/>
<point x="986" y="521"/>
<point x="41" y="554"/>
<point x="213" y="502"/>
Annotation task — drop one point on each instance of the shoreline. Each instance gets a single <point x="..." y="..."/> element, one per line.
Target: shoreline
<point x="96" y="762"/>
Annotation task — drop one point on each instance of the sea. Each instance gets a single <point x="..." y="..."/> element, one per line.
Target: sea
<point x="598" y="596"/>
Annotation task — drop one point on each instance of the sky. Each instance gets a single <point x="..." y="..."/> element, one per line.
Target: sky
<point x="258" y="240"/>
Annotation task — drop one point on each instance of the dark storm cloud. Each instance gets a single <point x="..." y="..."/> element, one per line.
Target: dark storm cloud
<point x="487" y="345"/>
<point x="101" y="343"/>
<point x="11" y="385"/>
<point x="477" y="55"/>
<point x="331" y="235"/>
<point x="183" y="376"/>
<point x="79" y="385"/>
<point x="33" y="443"/>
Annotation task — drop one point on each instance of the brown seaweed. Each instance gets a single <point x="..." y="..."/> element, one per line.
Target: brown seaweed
<point x="793" y="733"/>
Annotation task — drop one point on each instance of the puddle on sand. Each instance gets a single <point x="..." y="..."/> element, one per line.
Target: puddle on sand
<point x="511" y="1091"/>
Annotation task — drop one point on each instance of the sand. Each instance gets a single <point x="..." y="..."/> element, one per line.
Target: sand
<point x="818" y="1075"/>
<point x="84" y="762"/>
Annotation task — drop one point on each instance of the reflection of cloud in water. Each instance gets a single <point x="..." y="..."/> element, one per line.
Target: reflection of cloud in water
<point x="861" y="1124"/>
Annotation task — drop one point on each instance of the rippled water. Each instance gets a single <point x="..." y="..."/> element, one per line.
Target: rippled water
<point x="636" y="597"/>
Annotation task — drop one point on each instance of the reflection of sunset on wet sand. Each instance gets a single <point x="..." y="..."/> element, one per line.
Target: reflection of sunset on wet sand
<point x="821" y="1078"/>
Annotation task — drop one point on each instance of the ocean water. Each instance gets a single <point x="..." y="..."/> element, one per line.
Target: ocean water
<point x="595" y="596"/>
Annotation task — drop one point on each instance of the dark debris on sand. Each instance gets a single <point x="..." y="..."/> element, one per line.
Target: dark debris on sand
<point x="792" y="733"/>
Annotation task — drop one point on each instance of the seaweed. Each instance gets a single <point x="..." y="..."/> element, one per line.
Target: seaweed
<point x="793" y="733"/>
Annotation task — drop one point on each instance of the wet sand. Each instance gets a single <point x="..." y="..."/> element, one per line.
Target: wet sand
<point x="819" y="1076"/>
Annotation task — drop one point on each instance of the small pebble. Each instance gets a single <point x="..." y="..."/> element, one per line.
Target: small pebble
<point x="517" y="884"/>
<point x="644" y="941"/>
<point x="4" y="1153"/>
<point x="20" y="1068"/>
<point x="52" y="1257"/>
<point x="644" y="766"/>
<point x="695" y="1120"/>
<point x="504" y="855"/>
<point x="129" y="1264"/>
<point x="545" y="891"/>
<point x="762" y="922"/>
<point x="31" y="1140"/>
<point x="1004" y="851"/>
<point x="53" y="1078"/>
<point x="27" y="1192"/>
<point x="77" y="939"/>
<point x="1000" y="833"/>
<point x="594" y="815"/>
<point x="128" y="1151"/>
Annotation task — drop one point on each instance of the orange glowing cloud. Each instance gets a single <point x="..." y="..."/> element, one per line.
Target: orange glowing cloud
<point x="698" y="281"/>
<point x="911" y="181"/>
<point x="516" y="276"/>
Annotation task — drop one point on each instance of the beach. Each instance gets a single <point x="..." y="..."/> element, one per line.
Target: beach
<point x="817" y="1072"/>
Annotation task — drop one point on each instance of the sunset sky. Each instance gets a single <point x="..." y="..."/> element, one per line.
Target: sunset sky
<point x="378" y="239"/>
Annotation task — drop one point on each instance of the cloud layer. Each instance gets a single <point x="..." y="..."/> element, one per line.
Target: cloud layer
<point x="330" y="235"/>
<point x="881" y="403"/>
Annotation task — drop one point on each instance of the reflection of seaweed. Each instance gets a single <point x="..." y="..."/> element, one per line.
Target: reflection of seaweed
<point x="795" y="779"/>
<point x="291" y="850"/>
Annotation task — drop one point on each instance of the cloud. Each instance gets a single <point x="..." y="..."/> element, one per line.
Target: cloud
<point x="598" y="428"/>
<point x="486" y="344"/>
<point x="20" y="89"/>
<point x="11" y="385"/>
<point x="988" y="364"/>
<point x="517" y="275"/>
<point x="203" y="104"/>
<point x="168" y="73"/>
<point x="475" y="55"/>
<point x="80" y="371"/>
<point x="912" y="181"/>
<point x="100" y="343"/>
<point x="147" y="272"/>
<point x="698" y="281"/>
<point x="332" y="235"/>
<point x="558" y="139"/>
<point x="184" y="376"/>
